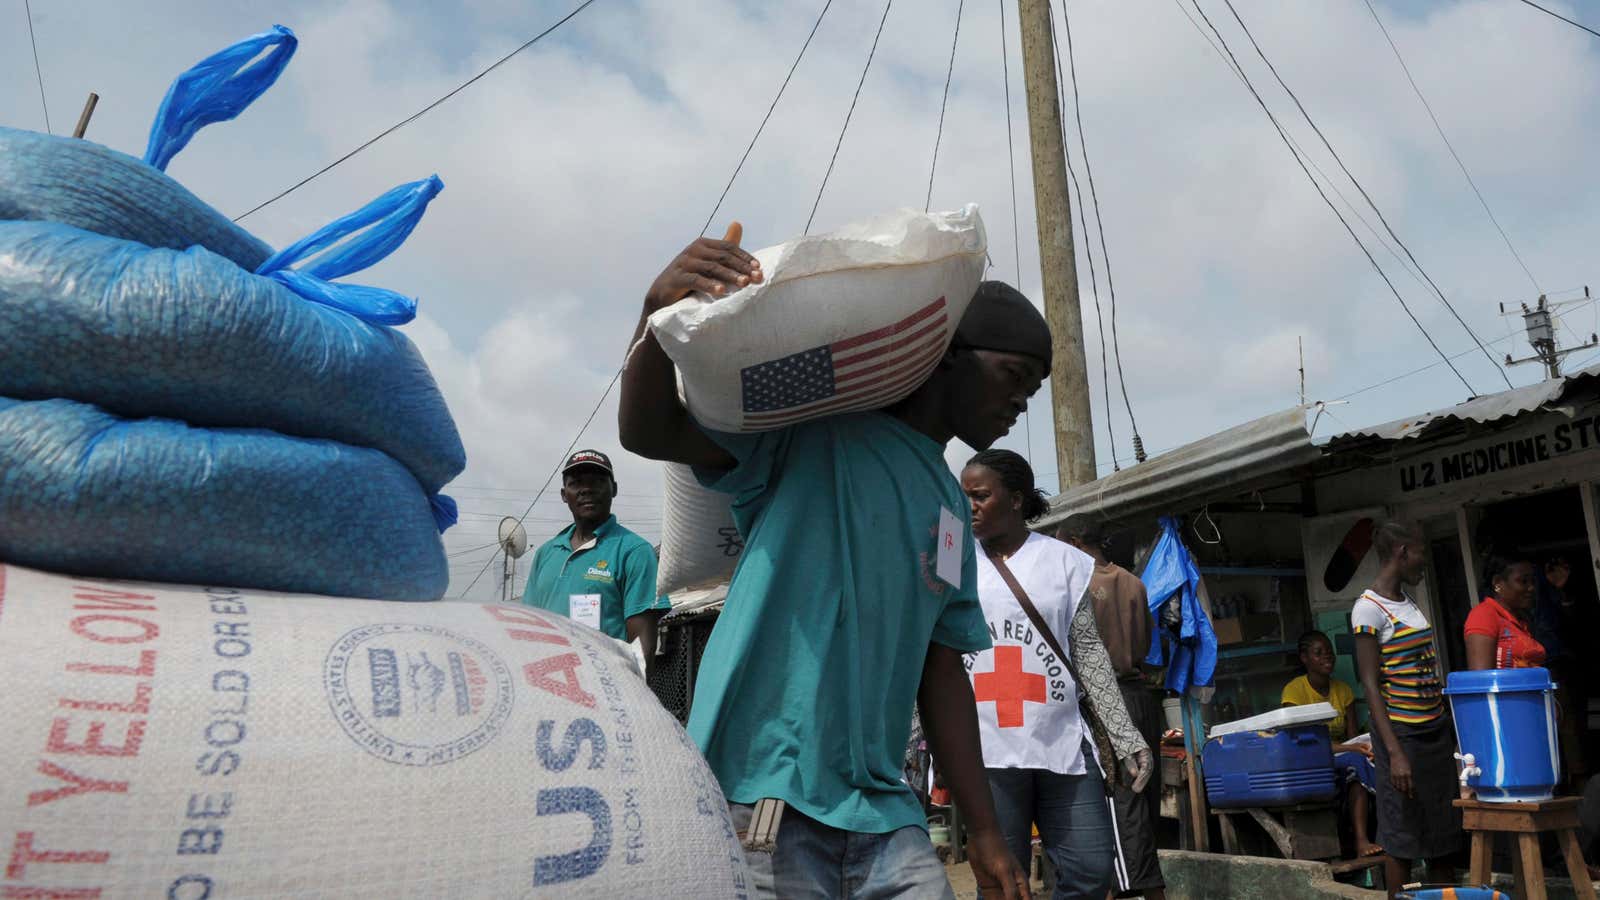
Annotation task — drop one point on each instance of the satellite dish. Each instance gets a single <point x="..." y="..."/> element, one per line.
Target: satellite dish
<point x="513" y="537"/>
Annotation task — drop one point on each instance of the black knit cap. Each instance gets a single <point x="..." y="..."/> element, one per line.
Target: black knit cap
<point x="1001" y="318"/>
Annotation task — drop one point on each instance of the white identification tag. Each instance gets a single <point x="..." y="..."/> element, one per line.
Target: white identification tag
<point x="947" y="565"/>
<point x="584" y="609"/>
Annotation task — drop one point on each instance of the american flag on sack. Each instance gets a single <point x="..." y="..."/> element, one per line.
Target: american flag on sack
<point x="864" y="371"/>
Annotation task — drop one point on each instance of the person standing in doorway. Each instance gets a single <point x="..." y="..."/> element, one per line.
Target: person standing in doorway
<point x="595" y="571"/>
<point x="1413" y="742"/>
<point x="1122" y="612"/>
<point x="1499" y="630"/>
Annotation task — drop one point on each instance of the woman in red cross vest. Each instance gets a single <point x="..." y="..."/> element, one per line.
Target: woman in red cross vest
<point x="1042" y="767"/>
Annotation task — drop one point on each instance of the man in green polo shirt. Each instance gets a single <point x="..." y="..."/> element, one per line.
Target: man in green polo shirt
<point x="595" y="571"/>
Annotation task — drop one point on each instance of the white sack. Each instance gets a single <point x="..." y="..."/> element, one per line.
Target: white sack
<point x="174" y="741"/>
<point x="852" y="320"/>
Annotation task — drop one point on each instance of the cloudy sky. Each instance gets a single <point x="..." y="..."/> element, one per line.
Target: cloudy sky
<point x="574" y="172"/>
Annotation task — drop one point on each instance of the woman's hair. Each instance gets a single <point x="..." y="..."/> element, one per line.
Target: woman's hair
<point x="1016" y="476"/>
<point x="1498" y="565"/>
<point x="1309" y="638"/>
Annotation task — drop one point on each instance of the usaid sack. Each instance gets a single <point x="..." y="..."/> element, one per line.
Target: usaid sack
<point x="852" y="320"/>
<point x="188" y="742"/>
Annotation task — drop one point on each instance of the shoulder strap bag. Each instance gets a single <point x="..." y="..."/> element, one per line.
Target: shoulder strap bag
<point x="1091" y="717"/>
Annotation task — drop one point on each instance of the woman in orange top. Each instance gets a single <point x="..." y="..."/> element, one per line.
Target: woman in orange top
<point x="1499" y="631"/>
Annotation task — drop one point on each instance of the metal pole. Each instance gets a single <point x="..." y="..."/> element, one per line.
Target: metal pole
<point x="83" y="117"/>
<point x="1069" y="376"/>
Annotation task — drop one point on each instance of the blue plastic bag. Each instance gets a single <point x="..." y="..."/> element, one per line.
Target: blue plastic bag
<point x="85" y="185"/>
<point x="191" y="336"/>
<point x="1170" y="570"/>
<point x="83" y="491"/>
<point x="373" y="231"/>
<point x="217" y="89"/>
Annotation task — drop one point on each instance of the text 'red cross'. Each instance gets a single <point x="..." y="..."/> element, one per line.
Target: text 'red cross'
<point x="1008" y="685"/>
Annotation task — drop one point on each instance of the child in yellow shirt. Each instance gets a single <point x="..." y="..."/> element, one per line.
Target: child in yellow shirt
<point x="1353" y="761"/>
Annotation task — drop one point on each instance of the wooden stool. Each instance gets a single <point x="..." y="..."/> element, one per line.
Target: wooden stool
<point x="1301" y="831"/>
<point x="1527" y="821"/>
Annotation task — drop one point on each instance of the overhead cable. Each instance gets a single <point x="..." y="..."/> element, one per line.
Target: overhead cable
<point x="759" y="128"/>
<point x="1105" y="257"/>
<point x="943" y="101"/>
<point x="1451" y="147"/>
<point x="835" y="158"/>
<point x="414" y="116"/>
<point x="27" y="9"/>
<point x="1342" y="221"/>
<point x="1011" y="166"/>
<point x="1088" y="249"/>
<point x="614" y="378"/>
<point x="1359" y="187"/>
<point x="1306" y="157"/>
<point x="1011" y="153"/>
<point x="1557" y="15"/>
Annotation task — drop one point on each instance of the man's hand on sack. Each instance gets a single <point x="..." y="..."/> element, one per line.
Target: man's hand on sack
<point x="715" y="268"/>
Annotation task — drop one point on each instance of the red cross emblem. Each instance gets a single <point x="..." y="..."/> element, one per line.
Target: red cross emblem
<point x="1008" y="686"/>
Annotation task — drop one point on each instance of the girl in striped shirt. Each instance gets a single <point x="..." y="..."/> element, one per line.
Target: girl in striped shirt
<point x="1413" y="744"/>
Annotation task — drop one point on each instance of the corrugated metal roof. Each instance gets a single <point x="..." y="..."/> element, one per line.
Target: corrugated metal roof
<point x="688" y="604"/>
<point x="1479" y="410"/>
<point x="1224" y="463"/>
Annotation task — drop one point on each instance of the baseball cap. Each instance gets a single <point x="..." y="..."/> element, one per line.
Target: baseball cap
<point x="588" y="458"/>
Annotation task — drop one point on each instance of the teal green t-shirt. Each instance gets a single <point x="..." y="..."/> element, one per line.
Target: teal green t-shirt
<point x="807" y="685"/>
<point x="619" y="565"/>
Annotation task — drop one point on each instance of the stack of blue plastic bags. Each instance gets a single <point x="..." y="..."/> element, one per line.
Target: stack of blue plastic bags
<point x="178" y="404"/>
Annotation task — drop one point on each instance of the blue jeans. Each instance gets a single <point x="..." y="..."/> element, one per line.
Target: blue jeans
<point x="813" y="860"/>
<point x="1074" y="822"/>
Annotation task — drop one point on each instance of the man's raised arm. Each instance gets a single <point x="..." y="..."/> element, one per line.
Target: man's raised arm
<point x="651" y="420"/>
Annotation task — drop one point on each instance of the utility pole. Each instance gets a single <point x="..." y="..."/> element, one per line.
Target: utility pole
<point x="1540" y="325"/>
<point x="1058" y="262"/>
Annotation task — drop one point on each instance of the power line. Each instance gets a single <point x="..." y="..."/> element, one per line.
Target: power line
<point x="1011" y="166"/>
<point x="1333" y="185"/>
<point x="1453" y="155"/>
<point x="1501" y="339"/>
<point x="1105" y="255"/>
<point x="1088" y="251"/>
<point x="38" y="73"/>
<point x="1320" y="193"/>
<point x="835" y="158"/>
<point x="757" y="136"/>
<point x="1011" y="153"/>
<point x="414" y="116"/>
<point x="934" y="166"/>
<point x="1363" y="191"/>
<point x="473" y="550"/>
<point x="1561" y="17"/>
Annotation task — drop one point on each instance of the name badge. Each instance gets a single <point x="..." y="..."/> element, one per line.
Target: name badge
<point x="947" y="564"/>
<point x="584" y="609"/>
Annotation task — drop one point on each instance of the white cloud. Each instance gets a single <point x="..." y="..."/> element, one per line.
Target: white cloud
<point x="577" y="169"/>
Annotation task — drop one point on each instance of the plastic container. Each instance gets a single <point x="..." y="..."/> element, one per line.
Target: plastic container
<point x="1452" y="893"/>
<point x="1172" y="711"/>
<point x="1288" y="716"/>
<point x="1506" y="718"/>
<point x="1269" y="768"/>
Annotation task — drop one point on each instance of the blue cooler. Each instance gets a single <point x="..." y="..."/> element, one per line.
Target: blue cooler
<point x="1453" y="893"/>
<point x="1289" y="765"/>
<point x="1506" y="718"/>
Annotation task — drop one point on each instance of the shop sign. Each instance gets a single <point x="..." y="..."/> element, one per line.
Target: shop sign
<point x="1501" y="453"/>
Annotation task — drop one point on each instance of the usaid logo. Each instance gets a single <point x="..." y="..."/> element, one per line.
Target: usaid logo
<point x="416" y="695"/>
